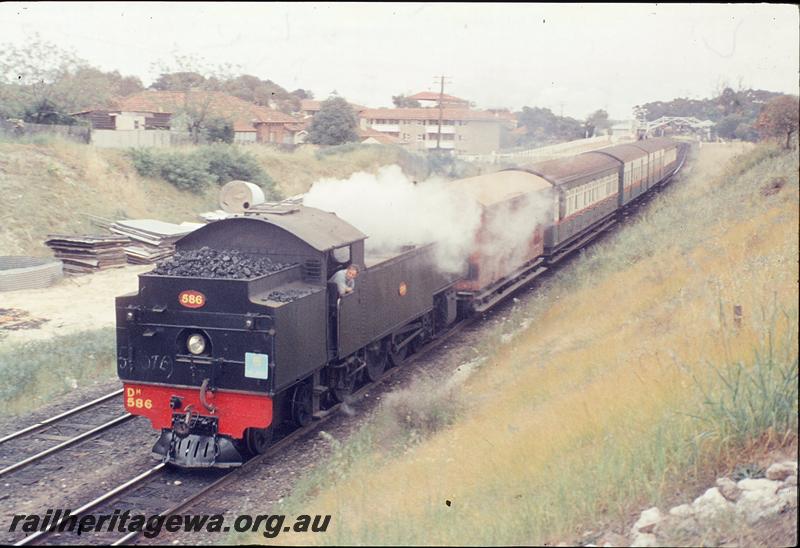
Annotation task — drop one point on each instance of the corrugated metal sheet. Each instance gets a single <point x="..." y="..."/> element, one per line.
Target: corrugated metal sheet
<point x="499" y="187"/>
<point x="28" y="273"/>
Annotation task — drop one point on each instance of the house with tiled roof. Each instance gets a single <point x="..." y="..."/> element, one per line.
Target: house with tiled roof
<point x="430" y="99"/>
<point x="152" y="109"/>
<point x="461" y="130"/>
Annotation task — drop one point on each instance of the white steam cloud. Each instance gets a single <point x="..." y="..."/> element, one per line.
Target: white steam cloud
<point x="394" y="212"/>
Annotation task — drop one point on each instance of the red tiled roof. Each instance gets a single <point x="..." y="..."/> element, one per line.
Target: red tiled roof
<point x="430" y="114"/>
<point x="364" y="134"/>
<point x="243" y="114"/>
<point x="433" y="96"/>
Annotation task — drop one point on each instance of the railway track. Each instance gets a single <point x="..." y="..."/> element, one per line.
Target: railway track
<point x="37" y="441"/>
<point x="155" y="491"/>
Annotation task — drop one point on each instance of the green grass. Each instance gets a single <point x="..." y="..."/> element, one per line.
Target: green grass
<point x="35" y="371"/>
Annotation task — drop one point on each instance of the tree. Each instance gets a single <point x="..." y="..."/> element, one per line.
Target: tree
<point x="401" y="101"/>
<point x="334" y="124"/>
<point x="726" y="128"/>
<point x="219" y="130"/>
<point x="595" y="122"/>
<point x="178" y="81"/>
<point x="44" y="83"/>
<point x="779" y="118"/>
<point x="545" y="127"/>
<point x="198" y="83"/>
<point x="262" y="92"/>
<point x="301" y="93"/>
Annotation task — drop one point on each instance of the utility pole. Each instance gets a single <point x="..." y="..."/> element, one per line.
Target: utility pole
<point x="441" y="98"/>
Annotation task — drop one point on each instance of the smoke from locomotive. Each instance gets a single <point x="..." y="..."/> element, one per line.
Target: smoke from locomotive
<point x="396" y="212"/>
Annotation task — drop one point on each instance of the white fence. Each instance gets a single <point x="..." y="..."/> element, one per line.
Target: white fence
<point x="541" y="153"/>
<point x="118" y="138"/>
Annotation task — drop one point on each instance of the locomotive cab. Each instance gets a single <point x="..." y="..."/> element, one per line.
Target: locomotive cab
<point x="215" y="363"/>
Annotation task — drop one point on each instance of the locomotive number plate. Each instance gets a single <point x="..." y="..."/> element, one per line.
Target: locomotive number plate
<point x="192" y="299"/>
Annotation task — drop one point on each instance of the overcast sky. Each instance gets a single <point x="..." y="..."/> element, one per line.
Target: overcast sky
<point x="572" y="57"/>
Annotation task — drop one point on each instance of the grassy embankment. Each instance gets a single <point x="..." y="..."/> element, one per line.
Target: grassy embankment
<point x="35" y="371"/>
<point x="631" y="380"/>
<point x="49" y="185"/>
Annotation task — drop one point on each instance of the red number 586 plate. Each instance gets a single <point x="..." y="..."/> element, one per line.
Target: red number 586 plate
<point x="192" y="299"/>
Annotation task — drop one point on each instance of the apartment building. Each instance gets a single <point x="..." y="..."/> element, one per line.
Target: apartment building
<point x="462" y="131"/>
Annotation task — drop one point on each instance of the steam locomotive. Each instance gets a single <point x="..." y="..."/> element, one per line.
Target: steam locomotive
<point x="218" y="363"/>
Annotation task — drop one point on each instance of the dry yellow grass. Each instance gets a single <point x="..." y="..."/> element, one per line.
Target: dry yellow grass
<point x="587" y="413"/>
<point x="48" y="188"/>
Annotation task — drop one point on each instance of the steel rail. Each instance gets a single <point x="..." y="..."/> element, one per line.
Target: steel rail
<point x="65" y="444"/>
<point x="94" y="503"/>
<point x="65" y="414"/>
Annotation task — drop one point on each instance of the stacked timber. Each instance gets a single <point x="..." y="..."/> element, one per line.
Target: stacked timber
<point x="87" y="254"/>
<point x="151" y="240"/>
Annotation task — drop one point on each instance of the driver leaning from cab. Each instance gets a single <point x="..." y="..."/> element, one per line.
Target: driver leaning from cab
<point x="345" y="280"/>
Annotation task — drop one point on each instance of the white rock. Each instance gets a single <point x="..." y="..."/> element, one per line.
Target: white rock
<point x="647" y="521"/>
<point x="681" y="511"/>
<point x="781" y="470"/>
<point x="644" y="539"/>
<point x="711" y="505"/>
<point x="728" y="488"/>
<point x="755" y="505"/>
<point x="760" y="484"/>
<point x="791" y="480"/>
<point x="789" y="496"/>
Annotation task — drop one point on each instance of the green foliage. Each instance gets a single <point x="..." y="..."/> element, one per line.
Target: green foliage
<point x="228" y="163"/>
<point x="43" y="83"/>
<point x="744" y="103"/>
<point x="178" y="81"/>
<point x="401" y="101"/>
<point x="264" y="93"/>
<point x="779" y="119"/>
<point x="219" y="130"/>
<point x="544" y="127"/>
<point x="35" y="371"/>
<point x="334" y="124"/>
<point x="146" y="162"/>
<point x="337" y="150"/>
<point x="197" y="169"/>
<point x="597" y="122"/>
<point x="186" y="171"/>
<point x="748" y="399"/>
<point x="726" y="127"/>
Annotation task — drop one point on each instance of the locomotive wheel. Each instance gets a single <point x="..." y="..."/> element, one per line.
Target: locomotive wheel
<point x="258" y="440"/>
<point x="376" y="362"/>
<point x="301" y="404"/>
